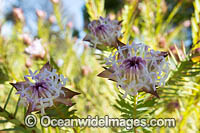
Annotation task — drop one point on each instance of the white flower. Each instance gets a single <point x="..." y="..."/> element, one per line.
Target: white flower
<point x="41" y="90"/>
<point x="136" y="68"/>
<point x="104" y="32"/>
<point x="36" y="49"/>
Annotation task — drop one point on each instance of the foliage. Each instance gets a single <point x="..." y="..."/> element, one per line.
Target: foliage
<point x="151" y="22"/>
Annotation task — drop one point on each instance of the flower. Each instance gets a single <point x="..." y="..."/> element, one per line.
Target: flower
<point x="26" y="38"/>
<point x="18" y="14"/>
<point x="44" y="89"/>
<point x="35" y="49"/>
<point x="52" y="19"/>
<point x="29" y="62"/>
<point x="104" y="31"/>
<point x="41" y="14"/>
<point x="85" y="70"/>
<point x="187" y="23"/>
<point x="137" y="68"/>
<point x="173" y="105"/>
<point x="55" y="1"/>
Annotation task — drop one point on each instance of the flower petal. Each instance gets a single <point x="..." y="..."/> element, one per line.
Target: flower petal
<point x="108" y="73"/>
<point x="46" y="66"/>
<point x="30" y="109"/>
<point x="87" y="38"/>
<point x="20" y="85"/>
<point x="69" y="93"/>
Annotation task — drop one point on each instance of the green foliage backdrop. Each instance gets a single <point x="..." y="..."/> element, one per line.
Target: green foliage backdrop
<point x="151" y="22"/>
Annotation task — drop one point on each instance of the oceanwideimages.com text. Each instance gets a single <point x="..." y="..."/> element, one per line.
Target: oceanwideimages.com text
<point x="101" y="122"/>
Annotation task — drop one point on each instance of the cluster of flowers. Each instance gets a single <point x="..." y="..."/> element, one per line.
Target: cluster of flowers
<point x="135" y="67"/>
<point x="43" y="89"/>
<point x="104" y="31"/>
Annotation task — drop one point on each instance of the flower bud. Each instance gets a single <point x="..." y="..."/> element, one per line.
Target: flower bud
<point x="162" y="42"/>
<point x="18" y="14"/>
<point x="135" y="29"/>
<point x="187" y="23"/>
<point x="55" y="1"/>
<point x="29" y="63"/>
<point x="70" y="24"/>
<point x="41" y="14"/>
<point x="52" y="19"/>
<point x="86" y="70"/>
<point x="26" y="39"/>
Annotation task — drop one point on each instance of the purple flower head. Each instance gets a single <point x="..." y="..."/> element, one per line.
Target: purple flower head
<point x="104" y="31"/>
<point x="43" y="89"/>
<point x="133" y="64"/>
<point x="136" y="68"/>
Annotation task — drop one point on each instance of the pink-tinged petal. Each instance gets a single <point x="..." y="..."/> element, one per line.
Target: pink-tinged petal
<point x="20" y="85"/>
<point x="69" y="93"/>
<point x="46" y="66"/>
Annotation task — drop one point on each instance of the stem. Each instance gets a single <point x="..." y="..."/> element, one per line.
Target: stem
<point x="75" y="131"/>
<point x="57" y="130"/>
<point x="135" y="110"/>
<point x="8" y="98"/>
<point x="16" y="109"/>
<point x="49" y="130"/>
<point x="10" y="118"/>
<point x="43" y="129"/>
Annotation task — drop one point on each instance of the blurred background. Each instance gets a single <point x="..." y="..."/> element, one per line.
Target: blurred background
<point x="33" y="32"/>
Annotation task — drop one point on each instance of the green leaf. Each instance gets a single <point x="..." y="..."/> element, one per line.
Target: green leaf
<point x="61" y="111"/>
<point x="3" y="73"/>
